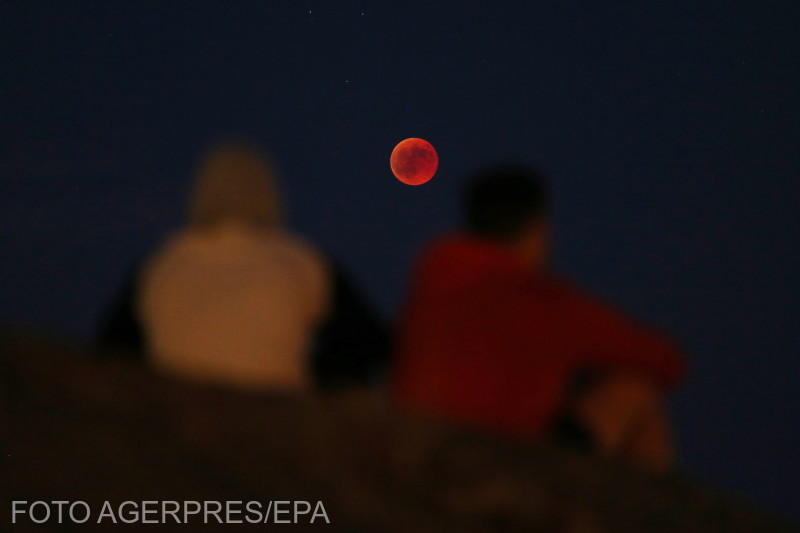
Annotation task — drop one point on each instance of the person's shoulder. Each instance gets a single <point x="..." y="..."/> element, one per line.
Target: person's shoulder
<point x="309" y="264"/>
<point x="568" y="295"/>
<point x="440" y="250"/>
<point x="443" y="244"/>
<point x="298" y="247"/>
<point x="170" y="246"/>
<point x="301" y="256"/>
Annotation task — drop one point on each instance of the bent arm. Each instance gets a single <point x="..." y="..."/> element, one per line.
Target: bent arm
<point x="606" y="338"/>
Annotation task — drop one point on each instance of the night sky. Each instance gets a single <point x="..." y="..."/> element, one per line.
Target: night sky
<point x="670" y="131"/>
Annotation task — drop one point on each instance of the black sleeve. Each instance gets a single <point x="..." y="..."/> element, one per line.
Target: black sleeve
<point x="119" y="332"/>
<point x="352" y="345"/>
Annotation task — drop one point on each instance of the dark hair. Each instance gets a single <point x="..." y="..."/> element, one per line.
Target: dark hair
<point x="500" y="201"/>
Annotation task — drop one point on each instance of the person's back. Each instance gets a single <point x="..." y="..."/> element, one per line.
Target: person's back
<point x="491" y="338"/>
<point x="233" y="298"/>
<point x="235" y="306"/>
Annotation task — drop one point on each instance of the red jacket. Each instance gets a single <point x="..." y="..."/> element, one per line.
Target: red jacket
<point x="485" y="341"/>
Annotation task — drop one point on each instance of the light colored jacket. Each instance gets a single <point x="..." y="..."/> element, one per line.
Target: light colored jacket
<point x="235" y="306"/>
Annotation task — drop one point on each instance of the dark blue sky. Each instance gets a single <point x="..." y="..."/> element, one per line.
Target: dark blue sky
<point x="670" y="131"/>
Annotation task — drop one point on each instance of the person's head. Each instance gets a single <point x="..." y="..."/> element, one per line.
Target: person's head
<point x="510" y="205"/>
<point x="234" y="183"/>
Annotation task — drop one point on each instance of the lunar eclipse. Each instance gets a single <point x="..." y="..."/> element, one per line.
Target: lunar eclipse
<point x="414" y="161"/>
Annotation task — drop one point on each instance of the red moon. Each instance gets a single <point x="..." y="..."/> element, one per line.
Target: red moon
<point x="414" y="161"/>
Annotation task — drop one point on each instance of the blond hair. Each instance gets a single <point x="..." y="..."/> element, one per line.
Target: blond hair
<point x="234" y="182"/>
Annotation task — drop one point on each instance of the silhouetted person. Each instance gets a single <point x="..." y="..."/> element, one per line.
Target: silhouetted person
<point x="352" y="345"/>
<point x="349" y="344"/>
<point x="492" y="338"/>
<point x="119" y="331"/>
